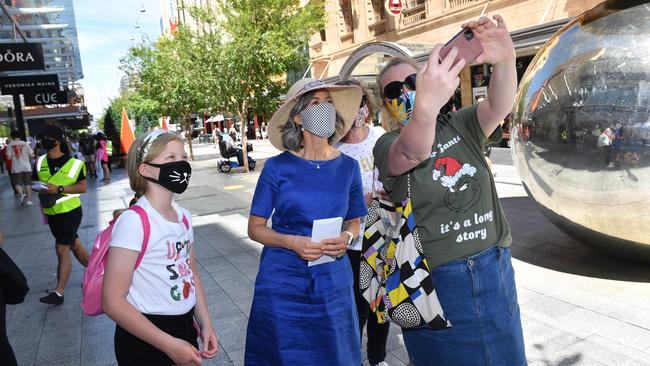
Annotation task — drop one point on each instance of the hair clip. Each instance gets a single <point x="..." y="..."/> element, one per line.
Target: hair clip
<point x="146" y="144"/>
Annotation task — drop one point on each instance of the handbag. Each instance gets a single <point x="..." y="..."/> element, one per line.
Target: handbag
<point x="393" y="275"/>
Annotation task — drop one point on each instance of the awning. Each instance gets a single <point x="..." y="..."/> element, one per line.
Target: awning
<point x="537" y="35"/>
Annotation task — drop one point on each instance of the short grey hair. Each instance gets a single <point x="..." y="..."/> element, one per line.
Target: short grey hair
<point x="292" y="134"/>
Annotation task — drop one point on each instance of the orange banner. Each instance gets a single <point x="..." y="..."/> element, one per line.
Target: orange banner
<point x="126" y="133"/>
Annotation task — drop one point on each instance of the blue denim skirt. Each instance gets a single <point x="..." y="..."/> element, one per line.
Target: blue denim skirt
<point x="479" y="297"/>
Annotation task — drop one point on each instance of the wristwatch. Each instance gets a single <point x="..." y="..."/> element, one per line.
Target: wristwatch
<point x="350" y="237"/>
<point x="60" y="189"/>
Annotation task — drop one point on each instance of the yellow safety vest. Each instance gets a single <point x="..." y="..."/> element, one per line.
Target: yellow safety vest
<point x="66" y="176"/>
<point x="109" y="147"/>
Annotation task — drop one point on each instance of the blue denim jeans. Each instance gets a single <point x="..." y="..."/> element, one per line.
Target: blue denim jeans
<point x="479" y="297"/>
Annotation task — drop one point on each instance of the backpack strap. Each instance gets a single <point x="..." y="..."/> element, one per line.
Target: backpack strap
<point x="146" y="228"/>
<point x="186" y="222"/>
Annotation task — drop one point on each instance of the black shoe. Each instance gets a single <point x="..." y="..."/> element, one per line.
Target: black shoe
<point x="52" y="298"/>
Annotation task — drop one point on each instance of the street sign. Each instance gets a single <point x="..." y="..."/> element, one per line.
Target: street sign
<point x="29" y="84"/>
<point x="21" y="56"/>
<point x="59" y="97"/>
<point x="394" y="7"/>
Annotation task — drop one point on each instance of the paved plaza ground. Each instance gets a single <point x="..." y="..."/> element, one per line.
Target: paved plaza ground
<point x="578" y="306"/>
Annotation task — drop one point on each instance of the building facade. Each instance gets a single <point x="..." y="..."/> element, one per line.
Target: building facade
<point x="361" y="35"/>
<point x="175" y="12"/>
<point x="51" y="23"/>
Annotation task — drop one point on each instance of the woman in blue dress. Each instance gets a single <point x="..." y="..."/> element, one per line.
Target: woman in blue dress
<point x="305" y="314"/>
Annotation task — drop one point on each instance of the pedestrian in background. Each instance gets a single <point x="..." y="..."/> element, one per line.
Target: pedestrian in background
<point x="64" y="178"/>
<point x="463" y="230"/>
<point x="7" y="162"/>
<point x="13" y="289"/>
<point x="87" y="147"/>
<point x="358" y="144"/>
<point x="3" y="158"/>
<point x="155" y="305"/>
<point x="102" y="157"/>
<point x="20" y="154"/>
<point x="301" y="313"/>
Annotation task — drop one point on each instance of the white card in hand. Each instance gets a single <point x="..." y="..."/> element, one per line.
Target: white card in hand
<point x="325" y="229"/>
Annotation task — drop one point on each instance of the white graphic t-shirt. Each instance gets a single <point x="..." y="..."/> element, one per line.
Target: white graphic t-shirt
<point x="19" y="152"/>
<point x="163" y="284"/>
<point x="362" y="153"/>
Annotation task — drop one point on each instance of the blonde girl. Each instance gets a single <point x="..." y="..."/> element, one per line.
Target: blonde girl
<point x="155" y="305"/>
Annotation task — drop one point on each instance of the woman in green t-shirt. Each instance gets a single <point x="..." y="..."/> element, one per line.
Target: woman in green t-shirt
<point x="463" y="230"/>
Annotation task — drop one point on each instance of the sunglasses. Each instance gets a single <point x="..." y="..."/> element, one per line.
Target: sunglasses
<point x="394" y="89"/>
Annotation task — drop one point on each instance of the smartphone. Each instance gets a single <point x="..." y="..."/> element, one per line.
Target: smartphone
<point x="469" y="47"/>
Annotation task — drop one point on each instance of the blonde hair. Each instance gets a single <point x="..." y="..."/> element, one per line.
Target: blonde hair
<point x="387" y="121"/>
<point x="133" y="161"/>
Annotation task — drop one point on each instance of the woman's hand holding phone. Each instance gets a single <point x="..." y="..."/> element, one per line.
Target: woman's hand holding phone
<point x="495" y="40"/>
<point x="436" y="83"/>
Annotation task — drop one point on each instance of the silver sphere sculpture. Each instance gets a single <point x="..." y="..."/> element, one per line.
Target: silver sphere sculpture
<point x="581" y="129"/>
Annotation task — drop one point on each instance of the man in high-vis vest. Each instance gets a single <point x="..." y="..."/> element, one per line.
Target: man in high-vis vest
<point x="109" y="147"/>
<point x="64" y="179"/>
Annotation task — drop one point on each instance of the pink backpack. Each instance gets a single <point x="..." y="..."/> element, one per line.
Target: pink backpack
<point x="91" y="286"/>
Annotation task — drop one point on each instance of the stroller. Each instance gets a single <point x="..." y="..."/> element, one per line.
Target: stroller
<point x="225" y="164"/>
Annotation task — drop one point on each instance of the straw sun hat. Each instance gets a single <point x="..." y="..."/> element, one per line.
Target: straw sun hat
<point x="346" y="99"/>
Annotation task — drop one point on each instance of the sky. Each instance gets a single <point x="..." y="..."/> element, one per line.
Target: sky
<point x="104" y="29"/>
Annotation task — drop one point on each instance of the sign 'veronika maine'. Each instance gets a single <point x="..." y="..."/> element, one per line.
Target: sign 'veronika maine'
<point x="29" y="84"/>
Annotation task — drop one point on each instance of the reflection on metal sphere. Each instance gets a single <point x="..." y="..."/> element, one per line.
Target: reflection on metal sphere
<point x="581" y="128"/>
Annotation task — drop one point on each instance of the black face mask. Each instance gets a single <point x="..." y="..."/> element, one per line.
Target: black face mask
<point x="48" y="144"/>
<point x="174" y="176"/>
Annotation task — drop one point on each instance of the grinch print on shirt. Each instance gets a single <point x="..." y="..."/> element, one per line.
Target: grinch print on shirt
<point x="463" y="191"/>
<point x="462" y="194"/>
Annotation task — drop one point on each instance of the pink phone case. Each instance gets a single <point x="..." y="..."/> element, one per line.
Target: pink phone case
<point x="469" y="47"/>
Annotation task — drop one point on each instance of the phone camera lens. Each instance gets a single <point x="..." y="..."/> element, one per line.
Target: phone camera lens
<point x="469" y="35"/>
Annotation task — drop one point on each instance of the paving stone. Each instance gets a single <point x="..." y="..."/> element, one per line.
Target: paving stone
<point x="549" y="306"/>
<point x="232" y="332"/>
<point x="237" y="357"/>
<point x="221" y="359"/>
<point x="627" y="334"/>
<point x="610" y="352"/>
<point x="61" y="343"/>
<point x="93" y="325"/>
<point x="97" y="349"/>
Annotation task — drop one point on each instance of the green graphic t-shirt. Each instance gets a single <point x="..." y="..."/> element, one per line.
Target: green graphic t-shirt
<point x="454" y="197"/>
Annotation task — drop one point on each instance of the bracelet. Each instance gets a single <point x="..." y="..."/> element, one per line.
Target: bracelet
<point x="352" y="237"/>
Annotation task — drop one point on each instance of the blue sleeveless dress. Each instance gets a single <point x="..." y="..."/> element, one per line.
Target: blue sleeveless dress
<point x="304" y="315"/>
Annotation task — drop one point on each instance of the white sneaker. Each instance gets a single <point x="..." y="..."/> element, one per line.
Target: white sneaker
<point x="29" y="203"/>
<point x="382" y="363"/>
<point x="21" y="199"/>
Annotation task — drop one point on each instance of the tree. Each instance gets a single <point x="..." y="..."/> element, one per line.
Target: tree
<point x="262" y="40"/>
<point x="169" y="73"/>
<point x="236" y="65"/>
<point x="111" y="127"/>
<point x="139" y="108"/>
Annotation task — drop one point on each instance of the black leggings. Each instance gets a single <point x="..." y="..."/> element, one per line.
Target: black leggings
<point x="377" y="333"/>
<point x="132" y="351"/>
